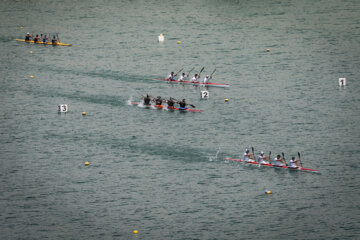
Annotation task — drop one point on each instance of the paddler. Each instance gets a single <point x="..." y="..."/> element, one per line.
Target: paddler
<point x="28" y="37"/>
<point x="37" y="38"/>
<point x="262" y="159"/>
<point x="171" y="77"/>
<point x="147" y="100"/>
<point x="195" y="79"/>
<point x="54" y="40"/>
<point x="45" y="39"/>
<point x="182" y="104"/>
<point x="170" y="102"/>
<point x="206" y="79"/>
<point x="293" y="163"/>
<point x="247" y="156"/>
<point x="158" y="101"/>
<point x="278" y="161"/>
<point x="182" y="77"/>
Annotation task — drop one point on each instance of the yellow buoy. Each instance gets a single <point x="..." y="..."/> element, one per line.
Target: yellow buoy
<point x="226" y="100"/>
<point x="87" y="163"/>
<point x="267" y="192"/>
<point x="31" y="76"/>
<point x="178" y="42"/>
<point x="83" y="113"/>
<point x="31" y="51"/>
<point x="21" y="27"/>
<point x="135" y="231"/>
<point x="268" y="50"/>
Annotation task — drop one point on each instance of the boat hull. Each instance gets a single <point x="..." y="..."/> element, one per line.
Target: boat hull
<point x="193" y="83"/>
<point x="167" y="108"/>
<point x="272" y="165"/>
<point x="41" y="42"/>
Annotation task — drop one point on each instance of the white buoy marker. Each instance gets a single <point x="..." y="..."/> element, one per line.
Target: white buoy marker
<point x="62" y="108"/>
<point x="204" y="94"/>
<point x="161" y="37"/>
<point x="342" y="81"/>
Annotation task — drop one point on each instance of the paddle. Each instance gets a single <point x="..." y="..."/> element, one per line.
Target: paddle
<point x="270" y="157"/>
<point x="57" y="36"/>
<point x="178" y="72"/>
<point x="284" y="158"/>
<point x="252" y="149"/>
<point x="300" y="159"/>
<point x="190" y="71"/>
<point x="201" y="71"/>
<point x="212" y="73"/>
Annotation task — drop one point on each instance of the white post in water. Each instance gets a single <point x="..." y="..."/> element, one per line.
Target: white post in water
<point x="161" y="38"/>
<point x="342" y="81"/>
<point x="204" y="94"/>
<point x="62" y="108"/>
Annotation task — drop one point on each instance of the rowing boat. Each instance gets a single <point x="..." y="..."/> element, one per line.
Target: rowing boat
<point x="41" y="42"/>
<point x="210" y="84"/>
<point x="271" y="165"/>
<point x="166" y="107"/>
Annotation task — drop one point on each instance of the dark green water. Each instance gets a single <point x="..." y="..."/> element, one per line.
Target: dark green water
<point x="162" y="172"/>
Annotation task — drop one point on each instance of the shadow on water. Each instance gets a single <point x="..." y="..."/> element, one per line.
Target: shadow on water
<point x="103" y="74"/>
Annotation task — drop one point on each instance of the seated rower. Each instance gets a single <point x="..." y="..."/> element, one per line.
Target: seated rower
<point x="262" y="159"/>
<point x="37" y="39"/>
<point x="28" y="37"/>
<point x="147" y="100"/>
<point x="54" y="40"/>
<point x="171" y="77"/>
<point x="182" y="77"/>
<point x="195" y="79"/>
<point x="206" y="79"/>
<point x="170" y="103"/>
<point x="182" y="104"/>
<point x="294" y="163"/>
<point x="158" y="101"/>
<point x="247" y="156"/>
<point x="45" y="39"/>
<point x="279" y="162"/>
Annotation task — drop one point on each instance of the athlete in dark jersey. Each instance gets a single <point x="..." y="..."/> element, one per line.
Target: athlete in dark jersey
<point x="170" y="103"/>
<point x="147" y="100"/>
<point x="158" y="101"/>
<point x="54" y="40"/>
<point x="37" y="38"/>
<point x="45" y="39"/>
<point x="183" y="104"/>
<point x="27" y="37"/>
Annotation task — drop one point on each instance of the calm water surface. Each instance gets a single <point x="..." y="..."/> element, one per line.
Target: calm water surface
<point x="162" y="173"/>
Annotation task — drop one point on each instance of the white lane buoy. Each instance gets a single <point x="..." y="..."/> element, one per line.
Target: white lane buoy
<point x="342" y="81"/>
<point x="161" y="37"/>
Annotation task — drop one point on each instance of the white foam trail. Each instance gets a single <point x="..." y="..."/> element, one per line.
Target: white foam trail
<point x="216" y="156"/>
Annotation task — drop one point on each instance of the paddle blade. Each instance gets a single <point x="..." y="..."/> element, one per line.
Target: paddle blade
<point x="201" y="70"/>
<point x="178" y="71"/>
<point x="190" y="71"/>
<point x="192" y="105"/>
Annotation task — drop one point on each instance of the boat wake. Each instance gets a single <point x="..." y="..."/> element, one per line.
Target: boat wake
<point x="213" y="158"/>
